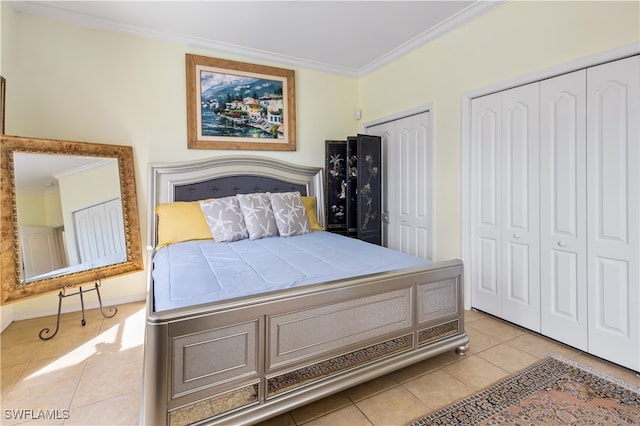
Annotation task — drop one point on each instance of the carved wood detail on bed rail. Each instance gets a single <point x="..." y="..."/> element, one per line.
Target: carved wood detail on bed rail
<point x="314" y="372"/>
<point x="433" y="334"/>
<point x="214" y="406"/>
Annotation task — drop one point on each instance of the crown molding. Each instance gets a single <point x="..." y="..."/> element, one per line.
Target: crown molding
<point x="42" y="10"/>
<point x="469" y="13"/>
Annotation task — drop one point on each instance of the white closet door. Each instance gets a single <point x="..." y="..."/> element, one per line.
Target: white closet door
<point x="39" y="249"/>
<point x="99" y="231"/>
<point x="408" y="183"/>
<point x="505" y="262"/>
<point x="613" y="155"/>
<point x="562" y="209"/>
<point x="423" y="205"/>
<point x="520" y="272"/>
<point x="486" y="143"/>
<point x="413" y="139"/>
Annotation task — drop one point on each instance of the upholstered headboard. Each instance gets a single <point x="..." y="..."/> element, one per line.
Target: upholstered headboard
<point x="232" y="185"/>
<point x="225" y="176"/>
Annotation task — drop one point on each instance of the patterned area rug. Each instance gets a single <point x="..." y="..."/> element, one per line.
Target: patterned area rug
<point x="551" y="392"/>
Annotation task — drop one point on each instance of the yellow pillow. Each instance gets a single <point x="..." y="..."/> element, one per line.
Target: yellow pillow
<point x="181" y="221"/>
<point x="310" y="207"/>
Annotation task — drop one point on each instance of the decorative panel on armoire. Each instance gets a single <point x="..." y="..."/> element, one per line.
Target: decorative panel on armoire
<point x="354" y="187"/>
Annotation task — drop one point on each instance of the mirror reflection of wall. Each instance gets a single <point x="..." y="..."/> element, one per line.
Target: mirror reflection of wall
<point x="69" y="211"/>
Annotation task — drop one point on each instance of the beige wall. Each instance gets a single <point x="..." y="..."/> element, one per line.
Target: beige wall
<point x="512" y="40"/>
<point x="73" y="83"/>
<point x="31" y="209"/>
<point x="39" y="209"/>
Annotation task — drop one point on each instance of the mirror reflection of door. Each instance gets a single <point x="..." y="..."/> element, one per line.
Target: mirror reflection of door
<point x="100" y="233"/>
<point x="51" y="190"/>
<point x="42" y="250"/>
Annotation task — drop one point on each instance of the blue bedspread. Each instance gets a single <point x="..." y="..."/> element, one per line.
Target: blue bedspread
<point x="197" y="272"/>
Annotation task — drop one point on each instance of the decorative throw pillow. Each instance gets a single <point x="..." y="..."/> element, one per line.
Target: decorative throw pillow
<point x="181" y="221"/>
<point x="258" y="215"/>
<point x="291" y="216"/>
<point x="310" y="207"/>
<point x="225" y="219"/>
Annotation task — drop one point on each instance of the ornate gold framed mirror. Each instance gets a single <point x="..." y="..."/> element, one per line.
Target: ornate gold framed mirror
<point x="69" y="215"/>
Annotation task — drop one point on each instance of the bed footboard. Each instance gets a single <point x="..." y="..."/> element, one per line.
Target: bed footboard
<point x="245" y="361"/>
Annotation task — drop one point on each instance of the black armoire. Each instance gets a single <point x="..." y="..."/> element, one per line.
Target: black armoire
<point x="353" y="187"/>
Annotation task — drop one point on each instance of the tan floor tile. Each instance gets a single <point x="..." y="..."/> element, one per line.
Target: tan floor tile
<point x="541" y="347"/>
<point x="33" y="324"/>
<point x="10" y="375"/>
<point x="113" y="374"/>
<point x="55" y="395"/>
<point x="73" y="326"/>
<point x="320" y="407"/>
<point x="496" y="328"/>
<point x="59" y="346"/>
<point x="18" y="336"/>
<point x="42" y="371"/>
<point x="508" y="357"/>
<point x="395" y="406"/>
<point x="18" y="354"/>
<point x="347" y="416"/>
<point x="371" y="387"/>
<point x="470" y="316"/>
<point x="476" y="372"/>
<point x="480" y="341"/>
<point x="438" y="389"/>
<point x="122" y="410"/>
<point x="416" y="370"/>
<point x="281" y="420"/>
<point x="118" y="336"/>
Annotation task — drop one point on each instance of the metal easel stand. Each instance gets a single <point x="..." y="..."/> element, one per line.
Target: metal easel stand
<point x="110" y="312"/>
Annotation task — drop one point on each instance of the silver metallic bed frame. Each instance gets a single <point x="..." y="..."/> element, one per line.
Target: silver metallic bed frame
<point x="242" y="361"/>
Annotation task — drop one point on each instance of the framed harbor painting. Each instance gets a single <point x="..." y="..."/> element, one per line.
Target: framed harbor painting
<point x="237" y="105"/>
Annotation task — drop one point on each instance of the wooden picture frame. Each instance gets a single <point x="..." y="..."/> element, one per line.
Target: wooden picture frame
<point x="237" y="105"/>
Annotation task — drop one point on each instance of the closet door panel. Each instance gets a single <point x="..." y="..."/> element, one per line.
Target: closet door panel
<point x="520" y="273"/>
<point x="613" y="160"/>
<point x="406" y="179"/>
<point x="422" y="210"/>
<point x="486" y="169"/>
<point x="562" y="208"/>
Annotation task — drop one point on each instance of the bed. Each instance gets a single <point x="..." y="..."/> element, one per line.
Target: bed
<point x="226" y="353"/>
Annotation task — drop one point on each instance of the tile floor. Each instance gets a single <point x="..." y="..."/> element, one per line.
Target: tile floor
<point x="93" y="374"/>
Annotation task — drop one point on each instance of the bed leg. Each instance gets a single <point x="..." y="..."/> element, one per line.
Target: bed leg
<point x="463" y="349"/>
